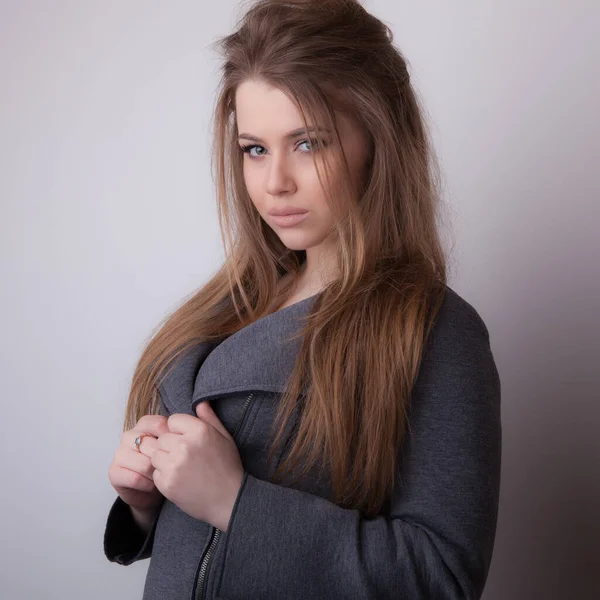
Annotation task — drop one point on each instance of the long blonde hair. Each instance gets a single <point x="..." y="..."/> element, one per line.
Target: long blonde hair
<point x="364" y="337"/>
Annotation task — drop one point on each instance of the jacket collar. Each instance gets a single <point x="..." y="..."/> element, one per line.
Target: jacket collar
<point x="257" y="357"/>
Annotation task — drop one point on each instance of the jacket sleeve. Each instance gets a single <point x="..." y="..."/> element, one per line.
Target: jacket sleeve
<point x="438" y="538"/>
<point x="124" y="541"/>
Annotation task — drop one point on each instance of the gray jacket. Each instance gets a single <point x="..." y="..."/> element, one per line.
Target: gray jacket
<point x="293" y="543"/>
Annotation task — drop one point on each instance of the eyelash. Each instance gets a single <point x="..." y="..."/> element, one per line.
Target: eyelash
<point x="315" y="143"/>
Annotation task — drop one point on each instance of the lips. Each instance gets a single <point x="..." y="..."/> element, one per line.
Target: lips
<point x="287" y="211"/>
<point x="289" y="220"/>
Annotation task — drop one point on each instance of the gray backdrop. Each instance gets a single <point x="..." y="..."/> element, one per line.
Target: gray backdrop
<point x="108" y="220"/>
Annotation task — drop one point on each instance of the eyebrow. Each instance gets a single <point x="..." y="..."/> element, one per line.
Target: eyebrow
<point x="290" y="136"/>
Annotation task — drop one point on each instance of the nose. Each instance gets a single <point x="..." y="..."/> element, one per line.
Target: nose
<point x="279" y="177"/>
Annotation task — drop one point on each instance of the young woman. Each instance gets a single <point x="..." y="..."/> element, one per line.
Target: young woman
<point x="321" y="420"/>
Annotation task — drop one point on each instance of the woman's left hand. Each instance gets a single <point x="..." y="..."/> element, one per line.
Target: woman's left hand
<point x="198" y="466"/>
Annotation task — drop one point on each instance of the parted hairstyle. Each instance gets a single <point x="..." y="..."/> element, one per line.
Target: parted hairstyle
<point x="363" y="339"/>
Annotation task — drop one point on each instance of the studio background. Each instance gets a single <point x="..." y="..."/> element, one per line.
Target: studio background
<point x="108" y="220"/>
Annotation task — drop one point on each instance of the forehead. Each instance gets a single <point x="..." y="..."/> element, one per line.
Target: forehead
<point x="267" y="112"/>
<point x="258" y="103"/>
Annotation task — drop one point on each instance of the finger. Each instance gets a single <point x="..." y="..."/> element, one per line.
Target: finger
<point x="156" y="425"/>
<point x="205" y="412"/>
<point x="158" y="460"/>
<point x="133" y="480"/>
<point x="147" y="446"/>
<point x="135" y="461"/>
<point x="167" y="442"/>
<point x="181" y="423"/>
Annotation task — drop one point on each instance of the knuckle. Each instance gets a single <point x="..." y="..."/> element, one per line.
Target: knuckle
<point x="203" y="427"/>
<point x="116" y="461"/>
<point x="128" y="437"/>
<point x="184" y="450"/>
<point x="136" y="480"/>
<point x="152" y="461"/>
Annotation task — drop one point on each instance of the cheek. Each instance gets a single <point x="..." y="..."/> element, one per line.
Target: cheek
<point x="313" y="188"/>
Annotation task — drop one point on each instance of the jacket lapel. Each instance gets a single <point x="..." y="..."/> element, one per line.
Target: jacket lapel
<point x="177" y="387"/>
<point x="259" y="356"/>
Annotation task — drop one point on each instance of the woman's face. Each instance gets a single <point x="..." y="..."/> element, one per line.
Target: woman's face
<point x="278" y="164"/>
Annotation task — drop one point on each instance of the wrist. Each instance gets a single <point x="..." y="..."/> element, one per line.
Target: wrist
<point x="144" y="518"/>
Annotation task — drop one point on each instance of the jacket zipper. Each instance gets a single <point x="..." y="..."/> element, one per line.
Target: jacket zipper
<point x="216" y="534"/>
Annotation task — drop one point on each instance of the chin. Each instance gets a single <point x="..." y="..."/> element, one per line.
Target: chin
<point x="298" y="240"/>
<point x="292" y="244"/>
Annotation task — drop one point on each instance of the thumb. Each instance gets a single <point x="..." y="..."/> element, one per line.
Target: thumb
<point x="205" y="412"/>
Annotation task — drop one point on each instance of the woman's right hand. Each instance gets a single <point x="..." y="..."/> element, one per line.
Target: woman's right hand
<point x="130" y="471"/>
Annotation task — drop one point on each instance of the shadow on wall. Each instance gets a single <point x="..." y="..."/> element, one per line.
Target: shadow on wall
<point x="548" y="537"/>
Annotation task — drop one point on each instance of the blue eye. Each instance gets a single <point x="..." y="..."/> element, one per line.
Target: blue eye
<point x="247" y="149"/>
<point x="315" y="145"/>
